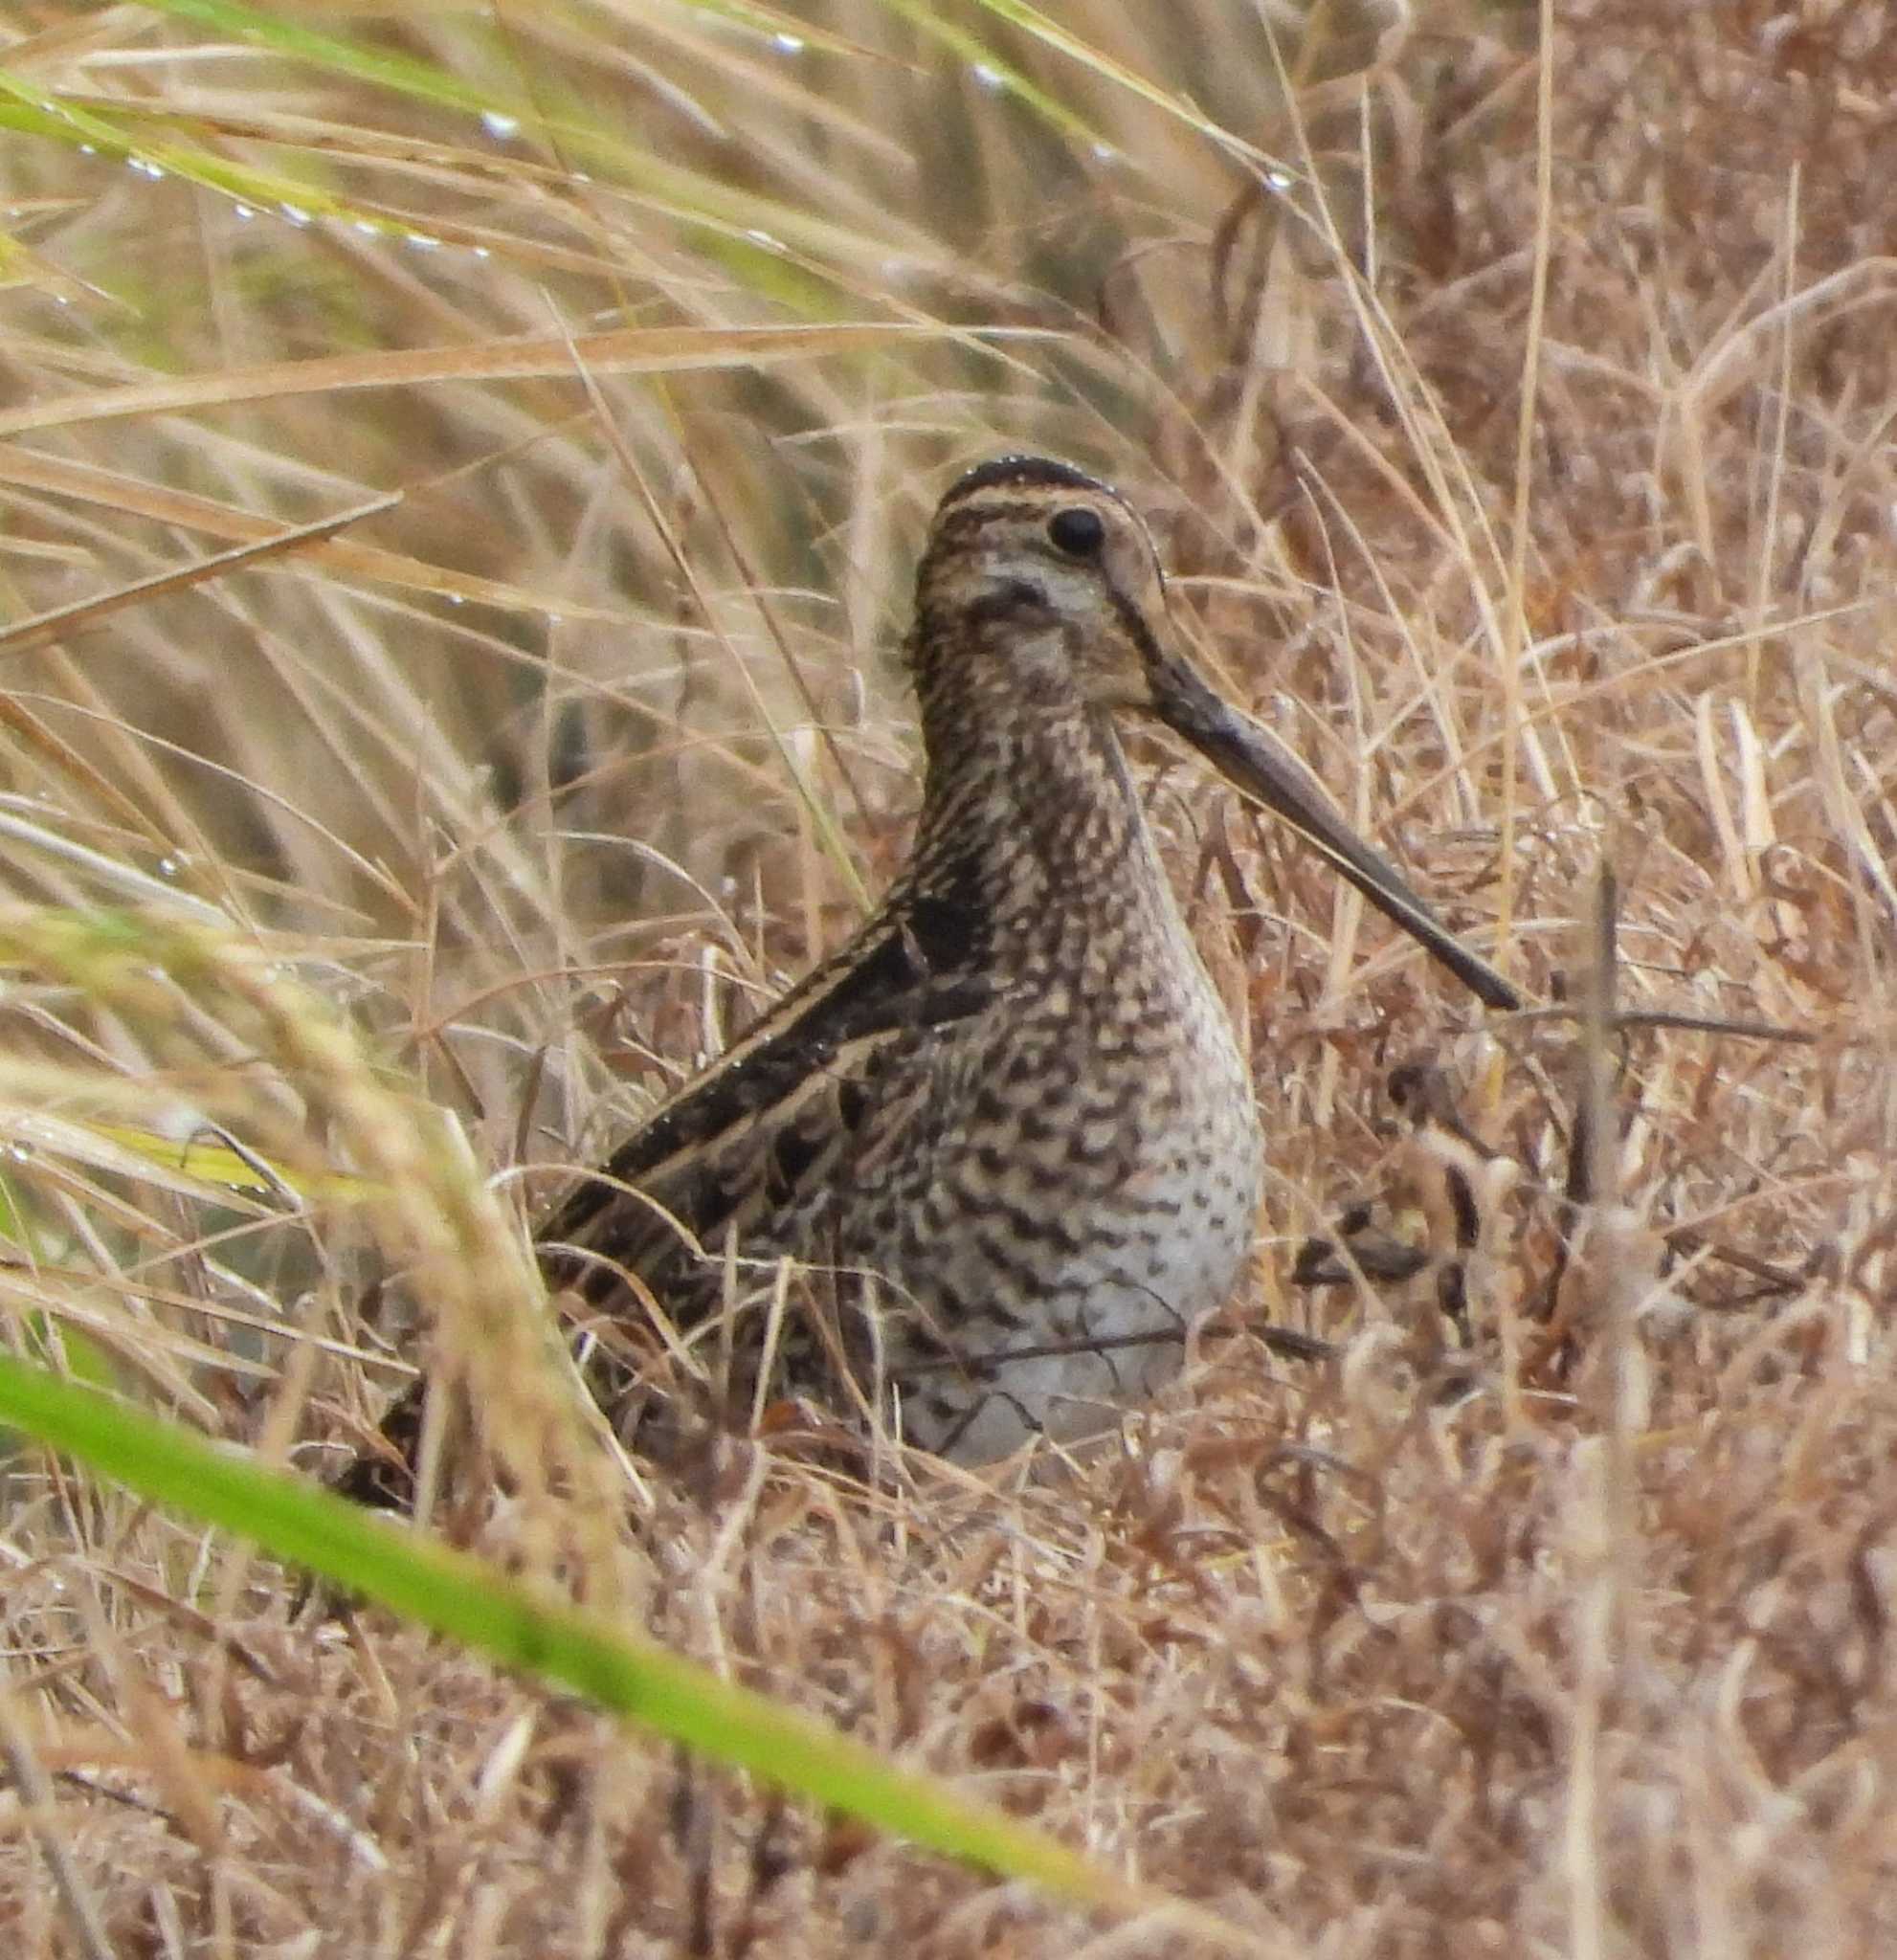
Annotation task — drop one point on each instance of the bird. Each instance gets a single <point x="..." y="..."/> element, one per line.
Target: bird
<point x="1005" y="1131"/>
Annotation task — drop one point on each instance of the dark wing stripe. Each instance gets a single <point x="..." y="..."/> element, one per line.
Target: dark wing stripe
<point x="760" y="1173"/>
<point x="918" y="966"/>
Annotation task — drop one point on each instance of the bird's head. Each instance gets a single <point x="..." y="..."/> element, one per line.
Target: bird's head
<point x="1040" y="585"/>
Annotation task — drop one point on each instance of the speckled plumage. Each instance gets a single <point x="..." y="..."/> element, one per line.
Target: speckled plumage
<point x="1012" y="1100"/>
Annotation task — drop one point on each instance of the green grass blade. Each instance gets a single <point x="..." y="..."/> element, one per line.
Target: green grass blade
<point x="517" y="1627"/>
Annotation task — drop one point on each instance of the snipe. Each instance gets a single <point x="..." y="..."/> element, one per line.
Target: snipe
<point x="1006" y="1130"/>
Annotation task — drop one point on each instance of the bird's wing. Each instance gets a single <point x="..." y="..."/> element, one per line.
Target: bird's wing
<point x="840" y="1065"/>
<point x="752" y="1138"/>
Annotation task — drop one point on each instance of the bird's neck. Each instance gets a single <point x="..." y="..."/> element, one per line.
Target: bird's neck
<point x="1031" y="821"/>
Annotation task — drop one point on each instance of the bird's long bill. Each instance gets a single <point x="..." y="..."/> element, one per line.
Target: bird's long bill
<point x="1253" y="762"/>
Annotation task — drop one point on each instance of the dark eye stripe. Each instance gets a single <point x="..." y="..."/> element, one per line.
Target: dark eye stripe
<point x="978" y="517"/>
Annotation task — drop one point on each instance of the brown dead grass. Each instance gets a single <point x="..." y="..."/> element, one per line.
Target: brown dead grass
<point x="1573" y="1646"/>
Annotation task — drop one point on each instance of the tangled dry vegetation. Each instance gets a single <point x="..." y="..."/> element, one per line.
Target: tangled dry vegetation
<point x="1554" y="1621"/>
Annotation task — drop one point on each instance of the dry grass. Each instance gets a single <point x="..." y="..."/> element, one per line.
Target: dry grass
<point x="1573" y="1640"/>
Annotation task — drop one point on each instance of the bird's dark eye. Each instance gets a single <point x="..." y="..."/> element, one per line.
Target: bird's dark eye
<point x="1076" y="531"/>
